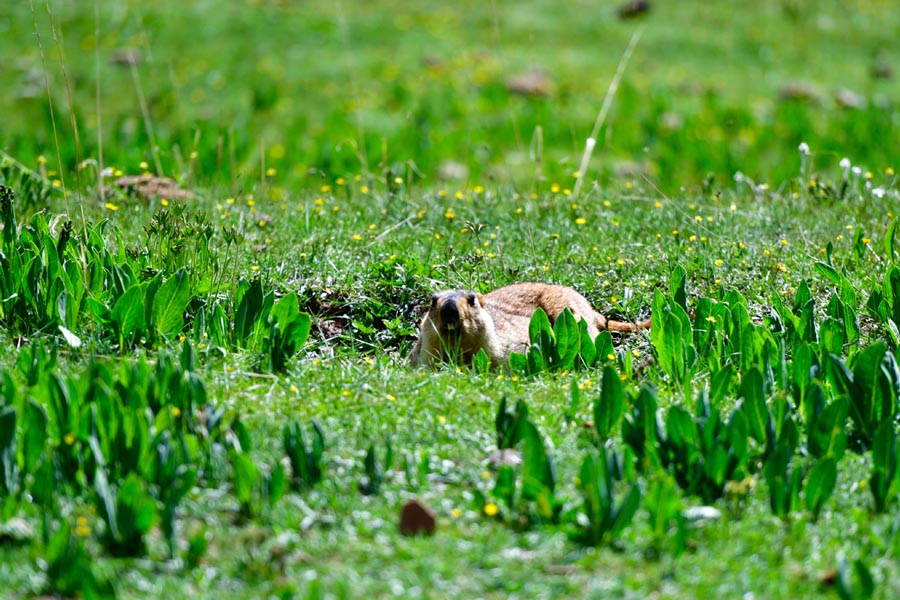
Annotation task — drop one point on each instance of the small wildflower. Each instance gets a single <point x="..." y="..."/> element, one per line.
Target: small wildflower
<point x="251" y="202"/>
<point x="398" y="180"/>
<point x="176" y="412"/>
<point x="69" y="439"/>
<point x="356" y="237"/>
<point x="554" y="188"/>
<point x="441" y="419"/>
<point x="889" y="171"/>
<point x="293" y="389"/>
<point x="607" y="203"/>
<point x="459" y="195"/>
<point x="485" y="475"/>
<point x="111" y="206"/>
<point x="455" y="513"/>
<point x="478" y="189"/>
<point x="803" y="148"/>
<point x="580" y="221"/>
<point x="143" y="165"/>
<point x="341" y="181"/>
<point x="845" y="163"/>
<point x="325" y="189"/>
<point x="781" y="268"/>
<point x="711" y="319"/>
<point x="164" y="202"/>
<point x="254" y="267"/>
<point x="490" y="509"/>
<point x="271" y="172"/>
<point x="657" y="204"/>
<point x="719" y="262"/>
<point x="364" y="189"/>
<point x="390" y="397"/>
<point x="784" y="242"/>
<point x="449" y="214"/>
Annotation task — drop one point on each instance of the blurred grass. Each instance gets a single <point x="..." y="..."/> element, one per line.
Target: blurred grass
<point x="327" y="89"/>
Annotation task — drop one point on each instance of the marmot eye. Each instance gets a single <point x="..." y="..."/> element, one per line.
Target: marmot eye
<point x="471" y="299"/>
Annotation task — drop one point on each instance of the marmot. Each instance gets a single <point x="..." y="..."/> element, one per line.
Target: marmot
<point x="461" y="322"/>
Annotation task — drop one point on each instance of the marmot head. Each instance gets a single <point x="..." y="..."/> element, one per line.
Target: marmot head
<point x="457" y="313"/>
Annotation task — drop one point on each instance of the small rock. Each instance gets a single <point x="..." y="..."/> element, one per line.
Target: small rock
<point x="849" y="99"/>
<point x="633" y="9"/>
<point x="450" y="170"/>
<point x="148" y="187"/>
<point x="16" y="530"/>
<point x="416" y="518"/>
<point x="701" y="513"/>
<point x="126" y="58"/>
<point x="506" y="457"/>
<point x="530" y="83"/>
<point x="800" y="91"/>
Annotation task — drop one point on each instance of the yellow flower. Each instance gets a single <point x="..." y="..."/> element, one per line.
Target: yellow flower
<point x="459" y="195"/>
<point x="674" y="232"/>
<point x="176" y="412"/>
<point x="785" y="242"/>
<point x="442" y="419"/>
<point x="607" y="203"/>
<point x="554" y="188"/>
<point x="69" y="439"/>
<point x="719" y="262"/>
<point x="657" y="204"/>
<point x="325" y="189"/>
<point x="455" y="513"/>
<point x="143" y="165"/>
<point x="341" y="181"/>
<point x="271" y="172"/>
<point x="293" y="389"/>
<point x="490" y="509"/>
<point x="580" y="221"/>
<point x="111" y="206"/>
<point x="390" y="397"/>
<point x="889" y="171"/>
<point x="478" y="189"/>
<point x="449" y="214"/>
<point x="357" y="237"/>
<point x="364" y="189"/>
<point x="164" y="202"/>
<point x="398" y="180"/>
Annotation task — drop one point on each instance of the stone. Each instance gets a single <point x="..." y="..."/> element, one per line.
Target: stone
<point x="416" y="519"/>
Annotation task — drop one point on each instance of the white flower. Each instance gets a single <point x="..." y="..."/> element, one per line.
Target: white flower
<point x="856" y="171"/>
<point x="845" y="163"/>
<point x="803" y="148"/>
<point x="738" y="177"/>
<point x="878" y="192"/>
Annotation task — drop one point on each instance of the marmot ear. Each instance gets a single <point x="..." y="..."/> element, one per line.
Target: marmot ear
<point x="470" y="297"/>
<point x="434" y="301"/>
<point x="481" y="301"/>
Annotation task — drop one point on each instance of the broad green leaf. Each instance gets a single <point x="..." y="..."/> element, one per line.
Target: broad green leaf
<point x="819" y="485"/>
<point x="610" y="405"/>
<point x="170" y="303"/>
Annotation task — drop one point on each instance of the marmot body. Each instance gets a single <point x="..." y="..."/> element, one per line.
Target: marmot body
<point x="461" y="322"/>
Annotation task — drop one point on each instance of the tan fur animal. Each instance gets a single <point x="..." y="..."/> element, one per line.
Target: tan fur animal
<point x="461" y="322"/>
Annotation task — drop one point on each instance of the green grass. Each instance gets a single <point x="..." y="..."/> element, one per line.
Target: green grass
<point x="354" y="107"/>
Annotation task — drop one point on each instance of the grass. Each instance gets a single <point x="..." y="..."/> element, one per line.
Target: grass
<point x="313" y="137"/>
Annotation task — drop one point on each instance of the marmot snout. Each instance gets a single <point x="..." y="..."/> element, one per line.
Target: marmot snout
<point x="459" y="323"/>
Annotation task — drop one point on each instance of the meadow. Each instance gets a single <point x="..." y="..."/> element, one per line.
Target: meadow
<point x="205" y="390"/>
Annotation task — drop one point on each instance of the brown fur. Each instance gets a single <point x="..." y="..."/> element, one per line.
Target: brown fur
<point x="461" y="322"/>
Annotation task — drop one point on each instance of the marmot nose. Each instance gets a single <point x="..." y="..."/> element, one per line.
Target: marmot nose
<point x="450" y="314"/>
